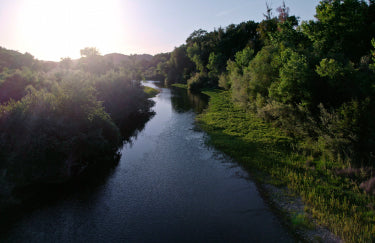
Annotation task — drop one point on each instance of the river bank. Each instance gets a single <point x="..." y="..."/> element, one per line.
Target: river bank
<point x="48" y="186"/>
<point x="168" y="187"/>
<point x="331" y="200"/>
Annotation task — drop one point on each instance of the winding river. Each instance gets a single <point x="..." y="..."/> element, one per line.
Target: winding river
<point x="168" y="187"/>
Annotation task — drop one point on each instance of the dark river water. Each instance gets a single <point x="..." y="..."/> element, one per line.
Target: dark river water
<point x="168" y="187"/>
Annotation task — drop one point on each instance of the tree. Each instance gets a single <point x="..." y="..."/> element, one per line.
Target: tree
<point x="180" y="66"/>
<point x="294" y="86"/>
<point x="196" y="36"/>
<point x="343" y="29"/>
<point x="373" y="55"/>
<point x="89" y="52"/>
<point x="268" y="15"/>
<point x="244" y="57"/>
<point x="66" y="62"/>
<point x="216" y="65"/>
<point x="266" y="27"/>
<point x="283" y="12"/>
<point x="195" y="53"/>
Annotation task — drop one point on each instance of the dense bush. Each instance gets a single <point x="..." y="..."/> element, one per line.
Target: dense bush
<point x="199" y="81"/>
<point x="56" y="125"/>
<point x="298" y="72"/>
<point x="121" y="96"/>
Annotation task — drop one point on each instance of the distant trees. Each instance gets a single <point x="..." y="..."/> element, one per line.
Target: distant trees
<point x="289" y="73"/>
<point x="179" y="66"/>
<point x="14" y="83"/>
<point x="210" y="51"/>
<point x="13" y="60"/>
<point x="89" y="52"/>
<point x="92" y="62"/>
<point x="66" y="62"/>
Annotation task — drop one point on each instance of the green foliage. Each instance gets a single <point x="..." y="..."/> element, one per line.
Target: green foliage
<point x="199" y="81"/>
<point x="211" y="50"/>
<point x="182" y="86"/>
<point x="206" y="52"/>
<point x="151" y="92"/>
<point x="224" y="81"/>
<point x="330" y="68"/>
<point x="44" y="133"/>
<point x="344" y="28"/>
<point x="262" y="71"/>
<point x="216" y="64"/>
<point x="15" y="60"/>
<point x="235" y="82"/>
<point x="57" y="124"/>
<point x="294" y="84"/>
<point x="266" y="27"/>
<point x="347" y="133"/>
<point x="334" y="200"/>
<point x="373" y="54"/>
<point x="13" y="83"/>
<point x="244" y="57"/>
<point x="301" y="220"/>
<point x="195" y="54"/>
<point x="179" y="66"/>
<point x="280" y="84"/>
<point x="289" y="35"/>
<point x="315" y="83"/>
<point x="118" y="93"/>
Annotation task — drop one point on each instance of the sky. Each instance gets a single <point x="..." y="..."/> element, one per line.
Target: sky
<point x="53" y="29"/>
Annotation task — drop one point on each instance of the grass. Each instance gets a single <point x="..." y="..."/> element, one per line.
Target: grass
<point x="184" y="86"/>
<point x="151" y="92"/>
<point x="301" y="220"/>
<point x="335" y="201"/>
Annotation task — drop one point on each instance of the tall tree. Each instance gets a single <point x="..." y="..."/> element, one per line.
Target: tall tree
<point x="343" y="29"/>
<point x="89" y="52"/>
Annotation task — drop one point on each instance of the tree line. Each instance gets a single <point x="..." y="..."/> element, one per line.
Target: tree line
<point x="315" y="79"/>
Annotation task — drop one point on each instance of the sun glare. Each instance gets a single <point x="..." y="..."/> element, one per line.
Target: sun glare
<point x="61" y="28"/>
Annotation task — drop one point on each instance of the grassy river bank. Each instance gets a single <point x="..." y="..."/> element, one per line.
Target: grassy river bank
<point x="319" y="193"/>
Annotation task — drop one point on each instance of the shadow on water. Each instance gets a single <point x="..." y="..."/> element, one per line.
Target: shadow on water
<point x="42" y="195"/>
<point x="185" y="100"/>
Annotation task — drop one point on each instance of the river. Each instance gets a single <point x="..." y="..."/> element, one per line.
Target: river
<point x="168" y="187"/>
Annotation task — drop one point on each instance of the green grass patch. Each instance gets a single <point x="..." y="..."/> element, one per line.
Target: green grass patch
<point x="335" y="201"/>
<point x="301" y="220"/>
<point x="151" y="92"/>
<point x="183" y="86"/>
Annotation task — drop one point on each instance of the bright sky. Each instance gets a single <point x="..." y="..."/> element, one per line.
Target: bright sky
<point x="51" y="29"/>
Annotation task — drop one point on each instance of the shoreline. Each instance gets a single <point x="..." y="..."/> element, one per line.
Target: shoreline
<point x="288" y="203"/>
<point x="29" y="196"/>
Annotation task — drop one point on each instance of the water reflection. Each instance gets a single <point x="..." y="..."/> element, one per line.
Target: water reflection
<point x="184" y="100"/>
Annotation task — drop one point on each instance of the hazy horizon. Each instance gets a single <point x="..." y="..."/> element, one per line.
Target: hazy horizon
<point x="52" y="30"/>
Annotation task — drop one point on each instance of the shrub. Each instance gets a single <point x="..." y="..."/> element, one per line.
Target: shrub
<point x="199" y="81"/>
